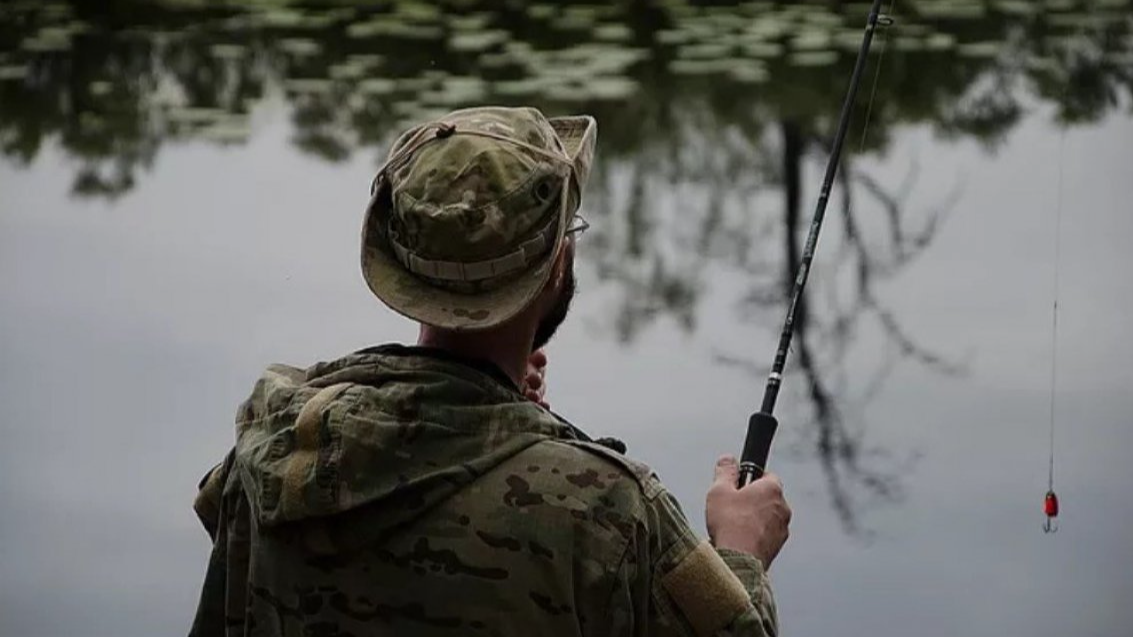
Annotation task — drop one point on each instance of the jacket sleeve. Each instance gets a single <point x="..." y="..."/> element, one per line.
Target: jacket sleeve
<point x="224" y="512"/>
<point x="672" y="582"/>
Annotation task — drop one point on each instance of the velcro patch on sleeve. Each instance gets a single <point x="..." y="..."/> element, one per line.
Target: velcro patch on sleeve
<point x="706" y="590"/>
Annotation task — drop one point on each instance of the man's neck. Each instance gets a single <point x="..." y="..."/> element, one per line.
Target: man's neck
<point x="506" y="349"/>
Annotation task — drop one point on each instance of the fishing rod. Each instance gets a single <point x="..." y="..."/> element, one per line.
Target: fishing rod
<point x="762" y="424"/>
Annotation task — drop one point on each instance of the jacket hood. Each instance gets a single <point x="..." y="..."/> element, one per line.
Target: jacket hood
<point x="367" y="443"/>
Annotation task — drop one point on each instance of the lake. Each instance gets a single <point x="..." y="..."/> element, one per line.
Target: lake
<point x="181" y="193"/>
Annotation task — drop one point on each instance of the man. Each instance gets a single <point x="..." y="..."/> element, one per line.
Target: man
<point x="417" y="490"/>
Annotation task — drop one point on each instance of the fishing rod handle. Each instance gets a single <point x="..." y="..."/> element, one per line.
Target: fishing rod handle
<point x="757" y="446"/>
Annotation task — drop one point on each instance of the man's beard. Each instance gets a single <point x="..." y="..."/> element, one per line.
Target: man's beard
<point x="557" y="314"/>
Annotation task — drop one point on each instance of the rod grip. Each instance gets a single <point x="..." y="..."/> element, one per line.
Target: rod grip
<point x="757" y="446"/>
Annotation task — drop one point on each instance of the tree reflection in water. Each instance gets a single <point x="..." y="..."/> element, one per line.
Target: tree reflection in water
<point x="708" y="112"/>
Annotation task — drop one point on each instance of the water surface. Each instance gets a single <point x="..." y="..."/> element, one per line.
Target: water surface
<point x="181" y="189"/>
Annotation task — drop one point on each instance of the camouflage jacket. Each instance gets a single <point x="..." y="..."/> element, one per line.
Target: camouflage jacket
<point x="399" y="491"/>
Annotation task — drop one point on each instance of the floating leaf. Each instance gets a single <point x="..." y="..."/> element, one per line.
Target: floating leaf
<point x="1016" y="7"/>
<point x="495" y="60"/>
<point x="518" y="88"/>
<point x="377" y="86"/>
<point x="10" y="72"/>
<point x="704" y="51"/>
<point x="980" y="49"/>
<point x="542" y="11"/>
<point x="613" y="33"/>
<point x="395" y="28"/>
<point x="673" y="36"/>
<point x="228" y="51"/>
<point x="940" y="42"/>
<point x="812" y="40"/>
<point x="611" y="88"/>
<point x="813" y="58"/>
<point x="745" y="72"/>
<point x="300" y="47"/>
<point x="346" y="71"/>
<point x="699" y="67"/>
<point x="473" y="22"/>
<point x="763" y="49"/>
<point x="479" y="41"/>
<point x="953" y="10"/>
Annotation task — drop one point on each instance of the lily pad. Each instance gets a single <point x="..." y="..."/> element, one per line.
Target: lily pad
<point x="366" y="59"/>
<point x="980" y="49"/>
<point x="611" y="88"/>
<point x="495" y="61"/>
<point x="706" y="51"/>
<point x="673" y="36"/>
<point x="346" y="71"/>
<point x="228" y="51"/>
<point x="1016" y="7"/>
<point x="613" y="33"/>
<point x="478" y="41"/>
<point x="812" y="40"/>
<point x="300" y="47"/>
<point x="813" y="58"/>
<point x="12" y="72"/>
<point x="518" y="88"/>
<point x="418" y="11"/>
<point x="763" y="49"/>
<point x="393" y="27"/>
<point x="952" y="10"/>
<point x="377" y="86"/>
<point x="940" y="42"/>
<point x="473" y="22"/>
<point x="457" y="90"/>
<point x="745" y="72"/>
<point x="542" y="11"/>
<point x="699" y="67"/>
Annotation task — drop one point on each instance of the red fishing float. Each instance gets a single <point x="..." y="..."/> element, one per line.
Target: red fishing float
<point x="1050" y="505"/>
<point x="1050" y="508"/>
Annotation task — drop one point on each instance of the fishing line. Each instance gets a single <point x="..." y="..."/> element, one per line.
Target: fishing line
<point x="762" y="424"/>
<point x="1050" y="501"/>
<point x="876" y="76"/>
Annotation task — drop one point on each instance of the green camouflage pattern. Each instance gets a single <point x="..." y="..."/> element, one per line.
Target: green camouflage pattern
<point x="465" y="219"/>
<point x="466" y="197"/>
<point x="397" y="492"/>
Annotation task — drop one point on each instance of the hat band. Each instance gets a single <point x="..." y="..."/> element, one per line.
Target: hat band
<point x="516" y="260"/>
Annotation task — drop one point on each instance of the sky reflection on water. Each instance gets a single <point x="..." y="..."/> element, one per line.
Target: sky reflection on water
<point x="138" y="311"/>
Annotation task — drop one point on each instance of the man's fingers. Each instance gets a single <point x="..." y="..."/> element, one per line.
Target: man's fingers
<point x="534" y="380"/>
<point x="538" y="358"/>
<point x="772" y="480"/>
<point x="727" y="470"/>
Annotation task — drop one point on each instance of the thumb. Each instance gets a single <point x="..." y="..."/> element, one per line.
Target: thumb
<point x="727" y="470"/>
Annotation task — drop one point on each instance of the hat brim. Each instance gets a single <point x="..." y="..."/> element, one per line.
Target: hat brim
<point x="415" y="298"/>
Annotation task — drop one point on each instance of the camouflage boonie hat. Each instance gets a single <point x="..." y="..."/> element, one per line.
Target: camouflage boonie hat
<point x="469" y="211"/>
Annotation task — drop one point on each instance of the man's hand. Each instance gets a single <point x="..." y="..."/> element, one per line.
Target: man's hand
<point x="753" y="519"/>
<point x="535" y="383"/>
